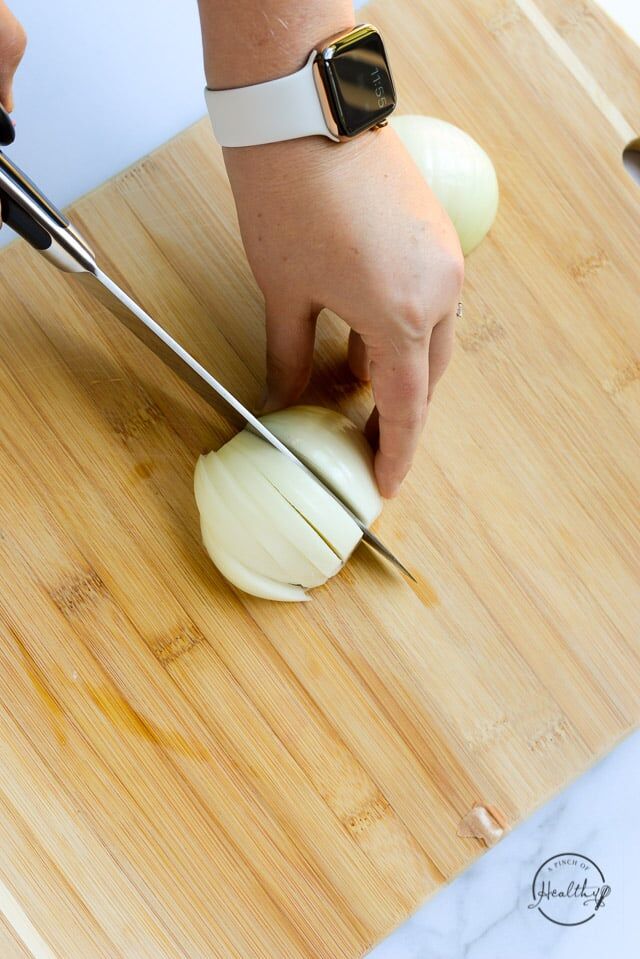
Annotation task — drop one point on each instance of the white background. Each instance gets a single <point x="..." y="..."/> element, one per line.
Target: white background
<point x="103" y="83"/>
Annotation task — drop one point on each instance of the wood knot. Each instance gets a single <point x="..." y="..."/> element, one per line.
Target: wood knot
<point x="625" y="377"/>
<point x="489" y="732"/>
<point x="137" y="175"/>
<point x="555" y="730"/>
<point x="76" y="592"/>
<point x="582" y="269"/>
<point x="487" y="331"/>
<point x="505" y="18"/>
<point x="143" y="470"/>
<point x="137" y="421"/>
<point x="170" y="649"/>
<point x="574" y="16"/>
<point x="361" y="820"/>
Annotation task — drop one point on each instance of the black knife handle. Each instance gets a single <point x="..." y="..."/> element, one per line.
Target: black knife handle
<point x="7" y="130"/>
<point x="26" y="209"/>
<point x="21" y="221"/>
<point x="27" y="185"/>
<point x="13" y="214"/>
<point x="17" y="216"/>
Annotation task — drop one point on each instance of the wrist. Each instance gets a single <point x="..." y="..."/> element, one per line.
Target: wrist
<point x="245" y="44"/>
<point x="307" y="159"/>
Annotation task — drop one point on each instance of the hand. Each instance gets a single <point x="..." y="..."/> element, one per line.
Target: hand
<point x="13" y="41"/>
<point x="352" y="227"/>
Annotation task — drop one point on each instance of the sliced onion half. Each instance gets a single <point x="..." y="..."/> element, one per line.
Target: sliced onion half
<point x="269" y="527"/>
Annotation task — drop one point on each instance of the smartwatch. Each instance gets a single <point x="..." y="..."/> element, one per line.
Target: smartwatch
<point x="344" y="88"/>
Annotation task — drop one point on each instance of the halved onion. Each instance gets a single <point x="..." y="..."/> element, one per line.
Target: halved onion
<point x="268" y="526"/>
<point x="458" y="171"/>
<point x="336" y="450"/>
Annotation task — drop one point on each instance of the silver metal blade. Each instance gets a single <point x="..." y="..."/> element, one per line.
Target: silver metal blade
<point x="181" y="362"/>
<point x="68" y="251"/>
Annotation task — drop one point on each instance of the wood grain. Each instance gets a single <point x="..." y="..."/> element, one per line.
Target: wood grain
<point x="186" y="771"/>
<point x="12" y="947"/>
<point x="608" y="53"/>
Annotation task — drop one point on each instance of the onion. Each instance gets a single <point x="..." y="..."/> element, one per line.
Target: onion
<point x="272" y="530"/>
<point x="458" y="171"/>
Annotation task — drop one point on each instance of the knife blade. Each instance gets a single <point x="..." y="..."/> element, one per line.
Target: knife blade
<point x="104" y="289"/>
<point x="26" y="209"/>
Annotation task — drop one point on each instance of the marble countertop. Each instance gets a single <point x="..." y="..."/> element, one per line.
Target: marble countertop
<point x="484" y="914"/>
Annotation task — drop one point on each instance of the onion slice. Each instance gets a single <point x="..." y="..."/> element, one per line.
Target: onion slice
<point x="270" y="528"/>
<point x="336" y="450"/>
<point x="229" y="521"/>
<point x="320" y="510"/>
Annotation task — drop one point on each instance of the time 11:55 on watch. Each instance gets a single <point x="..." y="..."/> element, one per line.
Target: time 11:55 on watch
<point x="344" y="88"/>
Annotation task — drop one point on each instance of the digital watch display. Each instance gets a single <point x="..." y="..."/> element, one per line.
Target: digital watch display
<point x="355" y="73"/>
<point x="344" y="88"/>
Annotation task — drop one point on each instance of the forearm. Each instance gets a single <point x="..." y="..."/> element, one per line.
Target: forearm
<point x="250" y="41"/>
<point x="351" y="226"/>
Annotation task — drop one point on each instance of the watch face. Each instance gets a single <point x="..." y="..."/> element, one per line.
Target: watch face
<point x="359" y="80"/>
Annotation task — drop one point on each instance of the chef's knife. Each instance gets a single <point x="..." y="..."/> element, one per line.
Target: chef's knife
<point x="28" y="211"/>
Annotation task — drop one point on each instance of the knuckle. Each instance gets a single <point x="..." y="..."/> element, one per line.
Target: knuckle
<point x="458" y="270"/>
<point x="453" y="271"/>
<point x="412" y="314"/>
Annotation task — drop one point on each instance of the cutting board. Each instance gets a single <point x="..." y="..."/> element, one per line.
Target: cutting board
<point x="187" y="772"/>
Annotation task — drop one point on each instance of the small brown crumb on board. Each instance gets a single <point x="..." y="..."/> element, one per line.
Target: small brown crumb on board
<point x="483" y="822"/>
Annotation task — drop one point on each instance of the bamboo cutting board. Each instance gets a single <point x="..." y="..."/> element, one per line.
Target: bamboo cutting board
<point x="190" y="773"/>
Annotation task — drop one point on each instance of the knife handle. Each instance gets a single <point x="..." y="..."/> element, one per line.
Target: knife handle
<point x="34" y="217"/>
<point x="7" y="131"/>
<point x="16" y="215"/>
<point x="21" y="221"/>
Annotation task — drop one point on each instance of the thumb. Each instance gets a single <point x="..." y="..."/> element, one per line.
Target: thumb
<point x="13" y="41"/>
<point x="291" y="331"/>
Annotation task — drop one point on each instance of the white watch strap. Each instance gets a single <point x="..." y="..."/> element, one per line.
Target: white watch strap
<point x="282" y="109"/>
